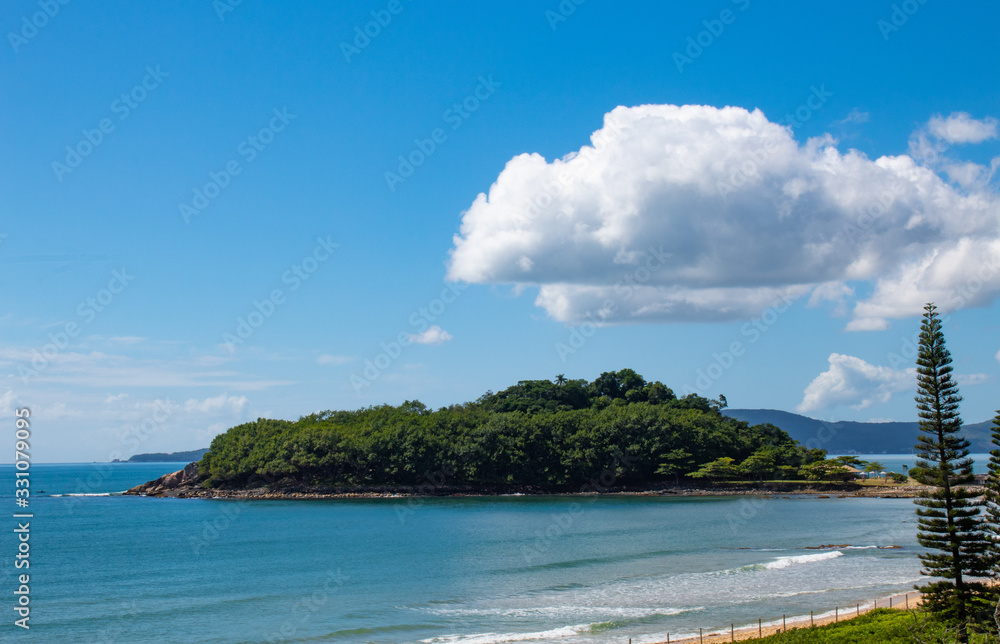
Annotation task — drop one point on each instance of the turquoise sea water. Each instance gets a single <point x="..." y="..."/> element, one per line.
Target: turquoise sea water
<point x="897" y="462"/>
<point x="462" y="570"/>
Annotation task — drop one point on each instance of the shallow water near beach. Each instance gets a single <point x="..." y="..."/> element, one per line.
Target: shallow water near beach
<point x="462" y="570"/>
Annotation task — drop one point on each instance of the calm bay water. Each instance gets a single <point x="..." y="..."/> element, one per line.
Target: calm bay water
<point x="899" y="462"/>
<point x="469" y="570"/>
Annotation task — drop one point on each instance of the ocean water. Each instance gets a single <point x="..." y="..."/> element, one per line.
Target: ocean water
<point x="899" y="462"/>
<point x="456" y="570"/>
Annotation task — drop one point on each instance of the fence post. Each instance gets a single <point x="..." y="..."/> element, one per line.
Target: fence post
<point x="701" y="638"/>
<point x="859" y="609"/>
<point x="811" y="622"/>
<point x="758" y="627"/>
<point x="907" y="601"/>
<point x="783" y="627"/>
<point x="732" y="632"/>
<point x="836" y="614"/>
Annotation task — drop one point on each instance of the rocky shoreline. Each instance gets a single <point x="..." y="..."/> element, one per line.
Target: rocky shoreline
<point x="186" y="484"/>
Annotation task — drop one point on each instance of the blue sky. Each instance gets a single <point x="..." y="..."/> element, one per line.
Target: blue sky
<point x="235" y="177"/>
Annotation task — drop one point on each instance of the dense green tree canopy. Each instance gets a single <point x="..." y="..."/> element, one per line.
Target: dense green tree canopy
<point x="537" y="433"/>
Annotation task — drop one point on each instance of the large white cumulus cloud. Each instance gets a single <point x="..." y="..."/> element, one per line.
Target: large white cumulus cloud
<point x="852" y="381"/>
<point x="691" y="213"/>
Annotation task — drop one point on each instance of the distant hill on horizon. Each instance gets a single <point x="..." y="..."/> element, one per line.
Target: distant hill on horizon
<point x="853" y="437"/>
<point x="161" y="457"/>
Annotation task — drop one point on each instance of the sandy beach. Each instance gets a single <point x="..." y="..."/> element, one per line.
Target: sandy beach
<point x="750" y="632"/>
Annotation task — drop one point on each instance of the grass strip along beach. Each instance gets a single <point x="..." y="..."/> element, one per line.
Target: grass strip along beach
<point x="871" y="623"/>
<point x="900" y="624"/>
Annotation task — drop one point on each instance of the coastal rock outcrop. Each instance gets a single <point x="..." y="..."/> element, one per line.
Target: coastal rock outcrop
<point x="169" y="484"/>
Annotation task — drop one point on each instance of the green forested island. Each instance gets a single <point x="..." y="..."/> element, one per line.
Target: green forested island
<point x="541" y="435"/>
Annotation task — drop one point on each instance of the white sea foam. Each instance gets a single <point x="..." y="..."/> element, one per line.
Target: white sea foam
<point x="659" y="599"/>
<point x="498" y="638"/>
<point x="785" y="562"/>
<point x="557" y="611"/>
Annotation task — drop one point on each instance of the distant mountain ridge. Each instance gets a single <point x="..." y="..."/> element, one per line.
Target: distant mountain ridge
<point x="850" y="437"/>
<point x="161" y="457"/>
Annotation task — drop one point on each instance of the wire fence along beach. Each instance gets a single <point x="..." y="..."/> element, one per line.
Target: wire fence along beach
<point x="770" y="627"/>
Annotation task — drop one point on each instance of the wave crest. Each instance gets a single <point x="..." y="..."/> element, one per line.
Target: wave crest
<point x="785" y="562"/>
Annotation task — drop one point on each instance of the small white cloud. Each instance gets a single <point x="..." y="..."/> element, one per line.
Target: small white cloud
<point x="216" y="428"/>
<point x="8" y="397"/>
<point x="58" y="410"/>
<point x="216" y="404"/>
<point x="115" y="398"/>
<point x="997" y="356"/>
<point x="836" y="292"/>
<point x="868" y="324"/>
<point x="960" y="127"/>
<point x="967" y="379"/>
<point x="852" y="381"/>
<point x="327" y="358"/>
<point x="855" y="116"/>
<point x="965" y="174"/>
<point x="105" y="371"/>
<point x="433" y="335"/>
